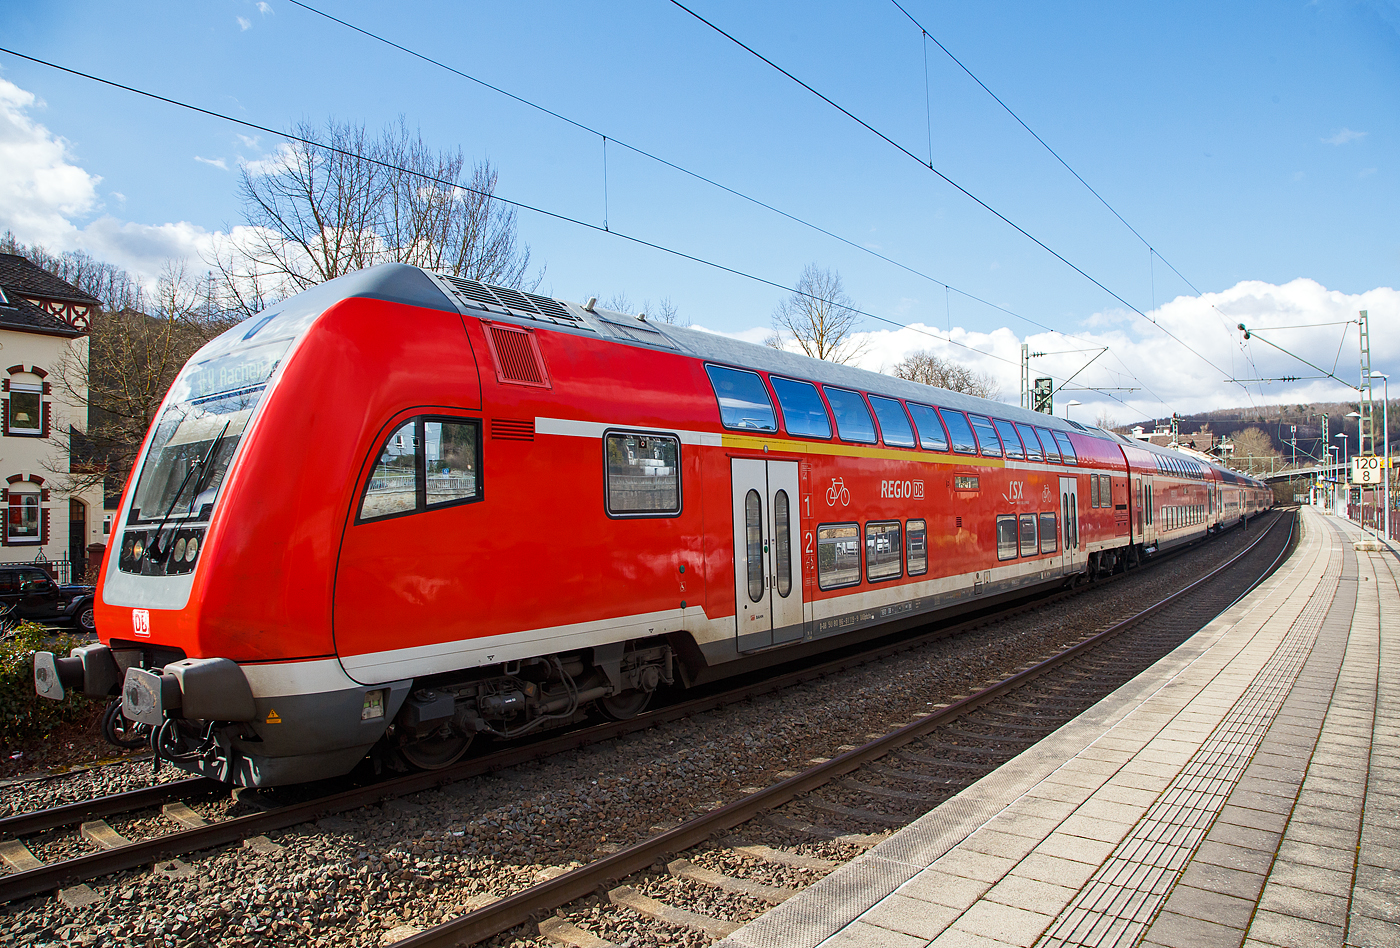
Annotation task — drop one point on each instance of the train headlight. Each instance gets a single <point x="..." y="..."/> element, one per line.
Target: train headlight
<point x="179" y="550"/>
<point x="192" y="549"/>
<point x="138" y="548"/>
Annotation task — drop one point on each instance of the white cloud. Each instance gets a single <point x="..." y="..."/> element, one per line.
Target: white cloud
<point x="264" y="8"/>
<point x="40" y="186"/>
<point x="250" y="141"/>
<point x="1167" y="375"/>
<point x="281" y="159"/>
<point x="215" y="162"/>
<point x="1344" y="136"/>
<point x="1365" y="172"/>
<point x="244" y="23"/>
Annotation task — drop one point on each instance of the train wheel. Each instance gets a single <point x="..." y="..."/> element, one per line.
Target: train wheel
<point x="435" y="751"/>
<point x="625" y="704"/>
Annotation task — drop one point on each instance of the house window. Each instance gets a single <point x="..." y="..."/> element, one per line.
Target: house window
<point x="26" y="414"/>
<point x="22" y="524"/>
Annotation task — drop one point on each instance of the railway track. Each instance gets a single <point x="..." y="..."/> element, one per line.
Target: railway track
<point x="179" y="828"/>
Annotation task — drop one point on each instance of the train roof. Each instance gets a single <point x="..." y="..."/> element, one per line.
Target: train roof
<point x="401" y="283"/>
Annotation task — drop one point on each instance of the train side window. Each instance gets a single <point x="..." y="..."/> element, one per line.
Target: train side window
<point x="393" y="486"/>
<point x="916" y="533"/>
<point x="964" y="442"/>
<point x="1009" y="439"/>
<point x="426" y="463"/>
<point x="1029" y="542"/>
<point x="1028" y="438"/>
<point x="932" y="437"/>
<point x="986" y="435"/>
<point x="644" y="474"/>
<point x="753" y="543"/>
<point x="1066" y="448"/>
<point x="803" y="412"/>
<point x="1093" y="491"/>
<point x="1006" y="538"/>
<point x="743" y="399"/>
<point x="883" y="551"/>
<point x="1047" y="441"/>
<point x="853" y="421"/>
<point x="894" y="424"/>
<point x="838" y="555"/>
<point x="1049" y="533"/>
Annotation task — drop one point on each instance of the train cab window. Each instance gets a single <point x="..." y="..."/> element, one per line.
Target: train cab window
<point x="987" y="438"/>
<point x="838" y="555"/>
<point x="743" y="399"/>
<point x="964" y="442"/>
<point x="1049" y="533"/>
<point x="1047" y="441"/>
<point x="932" y="437"/>
<point x="426" y="463"/>
<point x="1007" y="540"/>
<point x="1010" y="440"/>
<point x="883" y="551"/>
<point x="1028" y="438"/>
<point x="1030" y="545"/>
<point x="916" y="534"/>
<point x="894" y="424"/>
<point x="644" y="474"/>
<point x="803" y="412"/>
<point x="853" y="421"/>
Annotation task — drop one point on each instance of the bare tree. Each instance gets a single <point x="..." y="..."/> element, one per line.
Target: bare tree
<point x="819" y="316"/>
<point x="1254" y="451"/>
<point x="115" y="287"/>
<point x="666" y="312"/>
<point x="929" y="369"/>
<point x="1106" y="421"/>
<point x="319" y="211"/>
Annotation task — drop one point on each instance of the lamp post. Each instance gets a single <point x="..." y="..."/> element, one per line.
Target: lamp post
<point x="1070" y="404"/>
<point x="1385" y="426"/>
<point x="1342" y="473"/>
<point x="1332" y="474"/>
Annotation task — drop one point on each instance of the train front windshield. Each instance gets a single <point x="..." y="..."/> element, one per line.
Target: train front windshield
<point x="197" y="435"/>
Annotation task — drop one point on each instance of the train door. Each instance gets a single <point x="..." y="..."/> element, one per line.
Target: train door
<point x="1071" y="559"/>
<point x="767" y="556"/>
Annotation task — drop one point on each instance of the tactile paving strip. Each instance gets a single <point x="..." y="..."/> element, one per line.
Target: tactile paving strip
<point x="1115" y="907"/>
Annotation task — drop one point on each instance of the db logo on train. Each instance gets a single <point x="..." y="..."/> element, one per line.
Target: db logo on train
<point x="141" y="622"/>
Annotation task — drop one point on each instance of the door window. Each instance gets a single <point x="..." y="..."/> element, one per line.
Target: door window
<point x="753" y="543"/>
<point x="782" y="542"/>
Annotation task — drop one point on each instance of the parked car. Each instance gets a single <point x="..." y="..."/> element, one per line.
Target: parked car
<point x="29" y="593"/>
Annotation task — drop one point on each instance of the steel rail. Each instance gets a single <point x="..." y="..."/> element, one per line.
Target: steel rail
<point x="31" y="882"/>
<point x="36" y="821"/>
<point x="513" y="910"/>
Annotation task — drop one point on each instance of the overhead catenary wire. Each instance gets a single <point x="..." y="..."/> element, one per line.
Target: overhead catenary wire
<point x="855" y="245"/>
<point x="949" y="181"/>
<point x="545" y="212"/>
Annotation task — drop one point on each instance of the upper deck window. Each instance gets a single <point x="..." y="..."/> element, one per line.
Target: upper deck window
<point x="894" y="424"/>
<point x="743" y="399"/>
<point x="986" y="435"/>
<point x="1066" y="449"/>
<point x="1028" y="438"/>
<point x="853" y="421"/>
<point x="932" y="436"/>
<point x="426" y="463"/>
<point x="1047" y="441"/>
<point x="803" y="412"/>
<point x="1009" y="439"/>
<point x="964" y="442"/>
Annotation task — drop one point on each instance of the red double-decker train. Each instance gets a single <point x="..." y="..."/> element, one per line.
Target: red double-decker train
<point x="401" y="510"/>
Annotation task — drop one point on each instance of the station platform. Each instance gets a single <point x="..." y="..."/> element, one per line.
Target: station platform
<point x="1245" y="790"/>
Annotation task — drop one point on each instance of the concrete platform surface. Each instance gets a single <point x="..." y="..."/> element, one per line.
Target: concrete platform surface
<point x="1245" y="790"/>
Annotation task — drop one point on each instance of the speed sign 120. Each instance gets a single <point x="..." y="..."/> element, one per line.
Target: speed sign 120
<point x="1367" y="469"/>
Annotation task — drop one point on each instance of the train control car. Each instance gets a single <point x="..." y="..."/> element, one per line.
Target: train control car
<point x="401" y="511"/>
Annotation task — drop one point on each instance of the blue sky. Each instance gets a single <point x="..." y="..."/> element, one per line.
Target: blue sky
<point x="1251" y="143"/>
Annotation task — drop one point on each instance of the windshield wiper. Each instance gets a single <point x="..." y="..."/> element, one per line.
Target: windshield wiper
<point x="200" y="467"/>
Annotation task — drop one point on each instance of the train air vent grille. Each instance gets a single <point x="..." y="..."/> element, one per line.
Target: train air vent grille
<point x="504" y="300"/>
<point x="511" y="429"/>
<point x="635" y="330"/>
<point x="960" y="523"/>
<point x="517" y="355"/>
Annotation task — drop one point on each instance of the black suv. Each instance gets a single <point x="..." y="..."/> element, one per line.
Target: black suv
<point x="36" y="597"/>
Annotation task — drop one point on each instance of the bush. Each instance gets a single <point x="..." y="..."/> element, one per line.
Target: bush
<point x="24" y="716"/>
